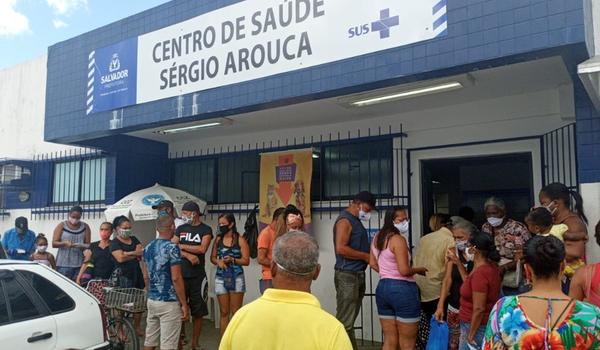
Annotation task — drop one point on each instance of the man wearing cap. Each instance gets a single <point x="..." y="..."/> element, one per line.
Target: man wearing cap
<point x="193" y="238"/>
<point x="19" y="242"/>
<point x="351" y="244"/>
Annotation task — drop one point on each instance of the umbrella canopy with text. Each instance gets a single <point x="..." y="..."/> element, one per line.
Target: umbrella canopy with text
<point x="138" y="205"/>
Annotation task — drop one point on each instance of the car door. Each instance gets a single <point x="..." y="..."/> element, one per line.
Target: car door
<point x="24" y="324"/>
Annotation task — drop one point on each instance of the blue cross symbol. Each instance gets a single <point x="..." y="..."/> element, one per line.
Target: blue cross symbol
<point x="384" y="23"/>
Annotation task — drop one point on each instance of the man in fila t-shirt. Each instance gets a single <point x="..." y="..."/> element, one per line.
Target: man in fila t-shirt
<point x="193" y="238"/>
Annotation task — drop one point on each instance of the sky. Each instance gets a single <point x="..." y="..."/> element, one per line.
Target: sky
<point x="28" y="27"/>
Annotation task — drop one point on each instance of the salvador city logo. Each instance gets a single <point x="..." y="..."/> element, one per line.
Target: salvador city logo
<point x="152" y="199"/>
<point x="115" y="71"/>
<point x="381" y="26"/>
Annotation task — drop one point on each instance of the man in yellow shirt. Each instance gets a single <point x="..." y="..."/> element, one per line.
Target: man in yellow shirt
<point x="288" y="316"/>
<point x="431" y="254"/>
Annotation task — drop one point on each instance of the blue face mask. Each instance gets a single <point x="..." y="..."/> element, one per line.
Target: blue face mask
<point x="162" y="213"/>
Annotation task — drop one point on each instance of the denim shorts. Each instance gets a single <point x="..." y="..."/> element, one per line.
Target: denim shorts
<point x="399" y="300"/>
<point x="240" y="285"/>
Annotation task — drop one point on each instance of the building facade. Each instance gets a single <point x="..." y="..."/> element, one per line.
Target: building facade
<point x="483" y="98"/>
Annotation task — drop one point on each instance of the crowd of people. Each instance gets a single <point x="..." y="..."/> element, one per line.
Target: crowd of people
<point x="507" y="284"/>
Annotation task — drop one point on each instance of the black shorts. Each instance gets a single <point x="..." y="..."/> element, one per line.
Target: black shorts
<point x="195" y="294"/>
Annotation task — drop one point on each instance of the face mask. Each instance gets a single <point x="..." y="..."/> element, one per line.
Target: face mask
<point x="363" y="215"/>
<point x="461" y="245"/>
<point x="187" y="219"/>
<point x="551" y="207"/>
<point x="162" y="213"/>
<point x="495" y="222"/>
<point x="469" y="255"/>
<point x="41" y="248"/>
<point x="223" y="229"/>
<point x="125" y="233"/>
<point x="403" y="226"/>
<point x="73" y="221"/>
<point x="104" y="235"/>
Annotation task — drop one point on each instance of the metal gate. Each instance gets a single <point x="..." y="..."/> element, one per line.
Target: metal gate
<point x="559" y="157"/>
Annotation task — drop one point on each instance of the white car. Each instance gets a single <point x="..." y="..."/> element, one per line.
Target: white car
<point x="41" y="309"/>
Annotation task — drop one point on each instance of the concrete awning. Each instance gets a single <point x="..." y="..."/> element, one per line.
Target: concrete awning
<point x="589" y="73"/>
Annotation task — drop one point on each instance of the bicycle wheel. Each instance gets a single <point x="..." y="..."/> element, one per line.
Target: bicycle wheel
<point x="122" y="334"/>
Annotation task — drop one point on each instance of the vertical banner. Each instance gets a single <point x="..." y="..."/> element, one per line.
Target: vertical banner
<point x="285" y="179"/>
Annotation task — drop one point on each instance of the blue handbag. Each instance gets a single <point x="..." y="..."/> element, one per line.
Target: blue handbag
<point x="438" y="335"/>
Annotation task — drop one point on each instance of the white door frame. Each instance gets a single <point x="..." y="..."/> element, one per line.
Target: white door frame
<point x="416" y="156"/>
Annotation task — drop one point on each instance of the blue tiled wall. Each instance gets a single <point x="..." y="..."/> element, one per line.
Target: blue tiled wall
<point x="588" y="137"/>
<point x="479" y="30"/>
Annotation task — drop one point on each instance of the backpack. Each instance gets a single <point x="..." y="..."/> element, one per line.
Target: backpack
<point x="251" y="232"/>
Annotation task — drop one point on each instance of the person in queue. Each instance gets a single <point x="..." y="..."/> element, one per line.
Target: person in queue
<point x="467" y="213"/>
<point x="71" y="237"/>
<point x="539" y="221"/>
<point x="437" y="221"/>
<point x="127" y="251"/>
<point x="543" y="318"/>
<point x="459" y="263"/>
<point x="351" y="244"/>
<point x="431" y="254"/>
<point x="294" y="218"/>
<point x="288" y="316"/>
<point x="41" y="254"/>
<point x="19" y="242"/>
<point x="167" y="303"/>
<point x="509" y="236"/>
<point x="266" y="238"/>
<point x="585" y="285"/>
<point x="193" y="238"/>
<point x="397" y="295"/>
<point x="479" y="291"/>
<point x="230" y="253"/>
<point x="98" y="262"/>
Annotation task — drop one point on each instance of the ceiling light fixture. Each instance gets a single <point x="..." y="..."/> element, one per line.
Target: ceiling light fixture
<point x="223" y="121"/>
<point x="434" y="89"/>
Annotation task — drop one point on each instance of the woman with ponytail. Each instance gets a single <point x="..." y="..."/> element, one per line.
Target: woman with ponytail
<point x="559" y="200"/>
<point x="556" y="197"/>
<point x="544" y="318"/>
<point x="479" y="291"/>
<point x="397" y="295"/>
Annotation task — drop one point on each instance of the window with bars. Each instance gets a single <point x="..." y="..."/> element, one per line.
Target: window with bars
<point x="339" y="172"/>
<point x="79" y="181"/>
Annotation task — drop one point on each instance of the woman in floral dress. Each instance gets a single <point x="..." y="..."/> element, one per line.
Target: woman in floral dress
<point x="544" y="318"/>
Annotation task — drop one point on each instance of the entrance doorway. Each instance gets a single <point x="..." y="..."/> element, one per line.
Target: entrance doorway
<point x="451" y="184"/>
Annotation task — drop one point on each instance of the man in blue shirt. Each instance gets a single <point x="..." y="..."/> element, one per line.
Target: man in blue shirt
<point x="19" y="242"/>
<point x="167" y="303"/>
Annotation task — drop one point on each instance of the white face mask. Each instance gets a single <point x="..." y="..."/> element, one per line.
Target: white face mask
<point x="363" y="215"/>
<point x="469" y="255"/>
<point x="73" y="221"/>
<point x="495" y="222"/>
<point x="403" y="226"/>
<point x="42" y="248"/>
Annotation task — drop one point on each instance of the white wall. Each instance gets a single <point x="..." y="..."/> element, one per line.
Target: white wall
<point x="22" y="108"/>
<point x="591" y="207"/>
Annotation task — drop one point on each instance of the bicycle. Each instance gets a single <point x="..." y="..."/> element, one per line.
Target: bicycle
<point x="119" y="304"/>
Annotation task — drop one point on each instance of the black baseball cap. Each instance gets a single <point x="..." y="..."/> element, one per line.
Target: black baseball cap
<point x="191" y="206"/>
<point x="21" y="223"/>
<point x="165" y="203"/>
<point x="366" y="197"/>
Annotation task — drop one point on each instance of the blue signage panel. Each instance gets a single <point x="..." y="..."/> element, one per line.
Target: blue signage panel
<point x="112" y="77"/>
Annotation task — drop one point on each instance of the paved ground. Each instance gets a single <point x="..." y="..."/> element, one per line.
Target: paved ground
<point x="209" y="340"/>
